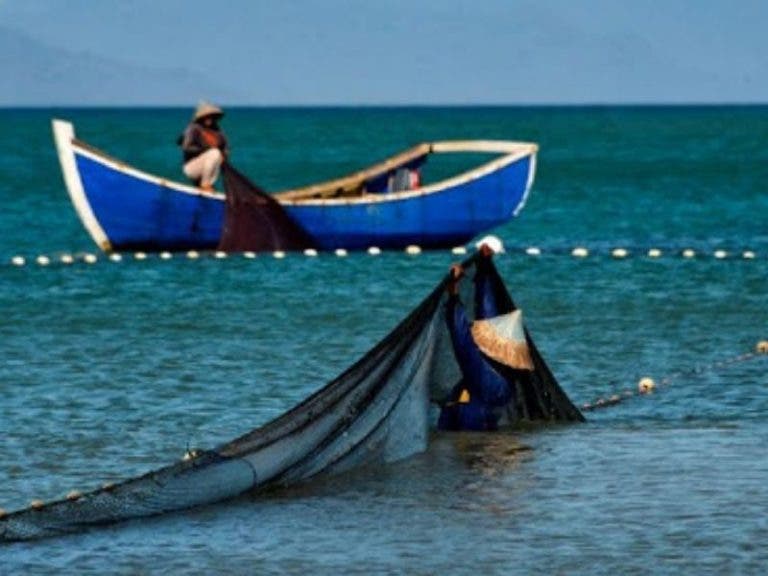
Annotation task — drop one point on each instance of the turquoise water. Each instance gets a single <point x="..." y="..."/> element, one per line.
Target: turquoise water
<point x="111" y="369"/>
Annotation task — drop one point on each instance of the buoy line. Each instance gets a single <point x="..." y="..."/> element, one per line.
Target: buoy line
<point x="581" y="252"/>
<point x="647" y="385"/>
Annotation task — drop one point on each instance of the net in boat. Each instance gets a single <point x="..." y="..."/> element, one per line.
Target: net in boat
<point x="377" y="411"/>
<point x="254" y="221"/>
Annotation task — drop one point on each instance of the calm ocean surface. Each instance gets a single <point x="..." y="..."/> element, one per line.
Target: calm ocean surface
<point x="111" y="369"/>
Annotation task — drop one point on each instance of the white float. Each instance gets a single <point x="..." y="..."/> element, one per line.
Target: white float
<point x="493" y="242"/>
<point x="646" y="385"/>
<point x="619" y="253"/>
<point x="580" y="252"/>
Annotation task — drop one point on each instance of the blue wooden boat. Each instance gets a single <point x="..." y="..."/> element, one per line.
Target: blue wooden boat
<point x="123" y="208"/>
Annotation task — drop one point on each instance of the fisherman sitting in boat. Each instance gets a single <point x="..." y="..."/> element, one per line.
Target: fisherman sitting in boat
<point x="483" y="349"/>
<point x="204" y="146"/>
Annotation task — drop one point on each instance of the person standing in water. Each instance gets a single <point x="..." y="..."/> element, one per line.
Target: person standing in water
<point x="485" y="349"/>
<point x="204" y="146"/>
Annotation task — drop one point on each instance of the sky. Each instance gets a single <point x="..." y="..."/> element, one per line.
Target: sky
<point x="358" y="52"/>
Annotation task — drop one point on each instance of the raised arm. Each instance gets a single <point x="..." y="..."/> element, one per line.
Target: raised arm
<point x="481" y="380"/>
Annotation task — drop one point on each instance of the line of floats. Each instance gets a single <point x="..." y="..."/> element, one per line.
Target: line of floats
<point x="647" y="385"/>
<point x="580" y="252"/>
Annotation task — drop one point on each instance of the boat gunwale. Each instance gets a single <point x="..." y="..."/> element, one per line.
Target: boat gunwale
<point x="512" y="151"/>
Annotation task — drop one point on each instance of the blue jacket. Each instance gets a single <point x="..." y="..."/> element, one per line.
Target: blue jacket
<point x="488" y="390"/>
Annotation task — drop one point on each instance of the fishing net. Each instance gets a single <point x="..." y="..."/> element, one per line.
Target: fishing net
<point x="254" y="221"/>
<point x="379" y="410"/>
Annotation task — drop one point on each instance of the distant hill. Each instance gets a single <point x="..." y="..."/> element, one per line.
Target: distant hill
<point x="35" y="74"/>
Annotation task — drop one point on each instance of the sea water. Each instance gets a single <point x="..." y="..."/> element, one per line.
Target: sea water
<point x="113" y="368"/>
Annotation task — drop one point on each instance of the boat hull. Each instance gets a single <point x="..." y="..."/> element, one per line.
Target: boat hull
<point x="146" y="215"/>
<point x="125" y="209"/>
<point x="449" y="218"/>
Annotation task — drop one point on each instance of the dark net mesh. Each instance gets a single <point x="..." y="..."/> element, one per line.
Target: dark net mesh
<point x="375" y="412"/>
<point x="538" y="395"/>
<point x="254" y="221"/>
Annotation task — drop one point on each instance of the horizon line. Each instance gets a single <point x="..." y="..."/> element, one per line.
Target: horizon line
<point x="296" y="106"/>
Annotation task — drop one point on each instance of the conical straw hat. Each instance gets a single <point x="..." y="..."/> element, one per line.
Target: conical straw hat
<point x="503" y="339"/>
<point x="207" y="109"/>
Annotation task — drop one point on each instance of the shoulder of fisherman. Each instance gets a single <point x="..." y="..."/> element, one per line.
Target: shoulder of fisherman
<point x="204" y="133"/>
<point x="198" y="138"/>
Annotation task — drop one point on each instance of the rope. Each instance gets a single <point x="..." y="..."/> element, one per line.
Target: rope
<point x="579" y="252"/>
<point x="647" y="385"/>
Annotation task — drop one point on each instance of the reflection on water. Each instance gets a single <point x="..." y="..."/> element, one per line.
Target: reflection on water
<point x="491" y="460"/>
<point x="488" y="454"/>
